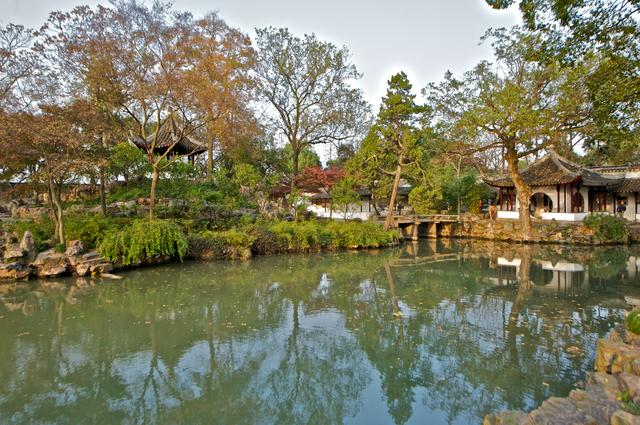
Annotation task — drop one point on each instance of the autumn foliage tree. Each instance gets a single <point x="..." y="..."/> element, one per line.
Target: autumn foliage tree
<point x="156" y="69"/>
<point x="314" y="178"/>
<point x="220" y="82"/>
<point x="308" y="82"/>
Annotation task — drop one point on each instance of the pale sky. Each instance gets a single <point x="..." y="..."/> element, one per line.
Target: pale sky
<point x="424" y="38"/>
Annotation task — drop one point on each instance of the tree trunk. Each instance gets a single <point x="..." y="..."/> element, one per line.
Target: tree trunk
<point x="154" y="191"/>
<point x="459" y="206"/>
<point x="374" y="203"/>
<point x="523" y="192"/>
<point x="57" y="202"/>
<point x="210" y="158"/>
<point x="103" y="191"/>
<point x="295" y="155"/>
<point x="54" y="215"/>
<point x="103" y="179"/>
<point x="394" y="194"/>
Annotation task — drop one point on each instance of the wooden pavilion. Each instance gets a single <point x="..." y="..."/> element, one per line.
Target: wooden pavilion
<point x="172" y="136"/>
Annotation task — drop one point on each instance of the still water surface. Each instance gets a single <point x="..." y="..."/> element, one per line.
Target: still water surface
<point x="436" y="332"/>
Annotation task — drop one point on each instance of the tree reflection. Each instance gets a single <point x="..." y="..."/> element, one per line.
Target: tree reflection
<point x="304" y="339"/>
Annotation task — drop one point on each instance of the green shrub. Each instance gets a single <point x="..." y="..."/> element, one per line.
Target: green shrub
<point x="226" y="245"/>
<point x="358" y="235"/>
<point x="265" y="242"/>
<point x="628" y="405"/>
<point x="608" y="227"/>
<point x="297" y="236"/>
<point x="314" y="236"/>
<point x="91" y="228"/>
<point x="133" y="190"/>
<point x="633" y="322"/>
<point x="43" y="231"/>
<point x="143" y="241"/>
<point x="475" y="196"/>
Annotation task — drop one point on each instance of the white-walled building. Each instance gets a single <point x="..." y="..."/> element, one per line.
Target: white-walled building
<point x="565" y="191"/>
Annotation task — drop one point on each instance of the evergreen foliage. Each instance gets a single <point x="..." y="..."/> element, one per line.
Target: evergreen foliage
<point x="425" y="200"/>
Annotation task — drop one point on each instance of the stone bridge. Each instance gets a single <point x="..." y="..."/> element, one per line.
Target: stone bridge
<point x="414" y="227"/>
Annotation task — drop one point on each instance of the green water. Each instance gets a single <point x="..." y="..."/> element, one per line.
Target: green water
<point x="437" y="333"/>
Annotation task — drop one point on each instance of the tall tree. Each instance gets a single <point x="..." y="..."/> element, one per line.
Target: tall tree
<point x="54" y="146"/>
<point x="397" y="128"/>
<point x="16" y="65"/>
<point x="221" y="83"/>
<point x="517" y="105"/>
<point x="308" y="82"/>
<point x="164" y="72"/>
<point x="605" y="33"/>
<point x="16" y="62"/>
<point x="71" y="46"/>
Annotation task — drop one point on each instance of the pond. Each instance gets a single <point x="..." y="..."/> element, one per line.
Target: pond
<point x="438" y="332"/>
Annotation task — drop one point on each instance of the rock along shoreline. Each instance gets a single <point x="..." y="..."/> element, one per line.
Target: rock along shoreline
<point x="610" y="395"/>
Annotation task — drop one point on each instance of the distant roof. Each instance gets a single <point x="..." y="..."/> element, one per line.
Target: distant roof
<point x="170" y="134"/>
<point x="615" y="168"/>
<point x="629" y="186"/>
<point x="553" y="169"/>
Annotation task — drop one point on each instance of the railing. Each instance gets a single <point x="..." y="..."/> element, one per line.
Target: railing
<point x="430" y="217"/>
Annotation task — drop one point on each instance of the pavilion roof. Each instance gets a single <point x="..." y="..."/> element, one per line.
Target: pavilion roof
<point x="553" y="169"/>
<point x="629" y="185"/>
<point x="171" y="134"/>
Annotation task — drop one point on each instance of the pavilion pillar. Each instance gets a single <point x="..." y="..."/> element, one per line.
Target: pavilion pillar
<point x="571" y="197"/>
<point x="558" y="198"/>
<point x="565" y="197"/>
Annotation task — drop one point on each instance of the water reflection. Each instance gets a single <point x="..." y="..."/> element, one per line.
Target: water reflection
<point x="441" y="331"/>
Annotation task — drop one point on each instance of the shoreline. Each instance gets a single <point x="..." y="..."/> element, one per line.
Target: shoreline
<point x="610" y="394"/>
<point x="91" y="264"/>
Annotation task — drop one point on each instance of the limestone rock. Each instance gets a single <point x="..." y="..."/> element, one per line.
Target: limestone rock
<point x="90" y="263"/>
<point x="509" y="417"/>
<point x="558" y="411"/>
<point x="28" y="243"/>
<point x="596" y="402"/>
<point x="615" y="357"/>
<point x="75" y="248"/>
<point x="101" y="268"/>
<point x="50" y="264"/>
<point x="631" y="383"/>
<point x="12" y="252"/>
<point x="14" y="271"/>
<point x="624" y="418"/>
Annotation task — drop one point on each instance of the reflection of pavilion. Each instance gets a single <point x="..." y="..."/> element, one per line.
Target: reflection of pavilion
<point x="633" y="267"/>
<point x="544" y="274"/>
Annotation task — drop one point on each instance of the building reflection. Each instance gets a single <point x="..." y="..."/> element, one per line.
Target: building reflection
<point x="441" y="329"/>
